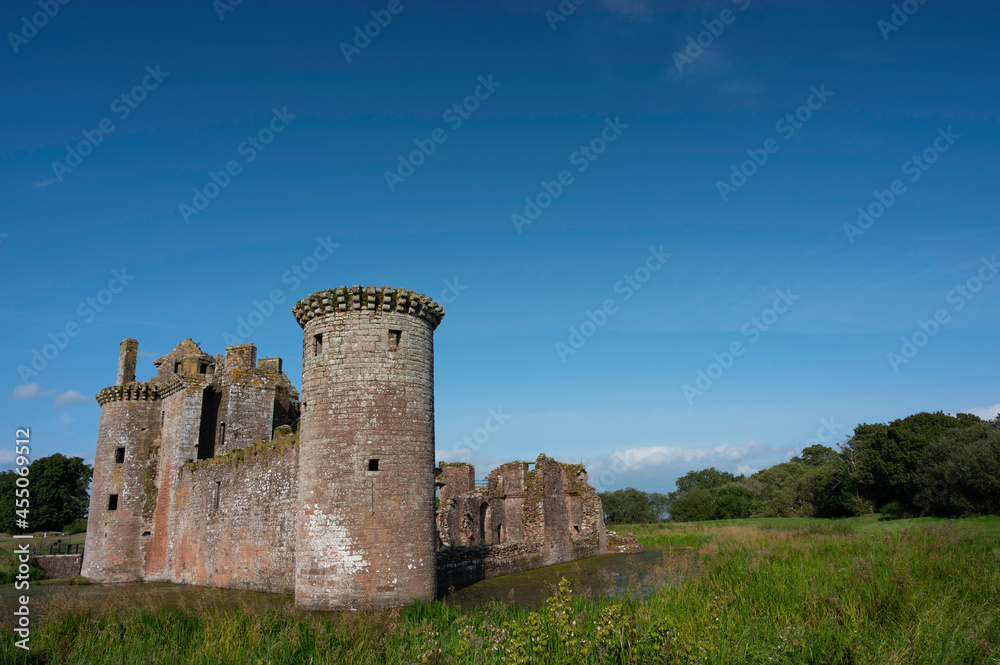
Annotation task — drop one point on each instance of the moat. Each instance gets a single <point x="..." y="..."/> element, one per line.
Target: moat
<point x="611" y="575"/>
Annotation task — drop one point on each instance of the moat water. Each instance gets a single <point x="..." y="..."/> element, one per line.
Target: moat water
<point x="613" y="575"/>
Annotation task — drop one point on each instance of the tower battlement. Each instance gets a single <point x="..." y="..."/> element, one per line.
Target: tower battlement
<point x="372" y="299"/>
<point x="133" y="391"/>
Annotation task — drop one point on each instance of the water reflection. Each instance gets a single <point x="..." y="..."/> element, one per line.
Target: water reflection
<point x="613" y="575"/>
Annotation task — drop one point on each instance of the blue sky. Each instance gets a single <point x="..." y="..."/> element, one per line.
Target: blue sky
<point x="641" y="138"/>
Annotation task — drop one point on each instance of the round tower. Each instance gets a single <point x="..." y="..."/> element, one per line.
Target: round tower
<point x="113" y="551"/>
<point x="365" y="521"/>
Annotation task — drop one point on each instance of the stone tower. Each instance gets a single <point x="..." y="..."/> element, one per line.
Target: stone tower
<point x="114" y="552"/>
<point x="365" y="523"/>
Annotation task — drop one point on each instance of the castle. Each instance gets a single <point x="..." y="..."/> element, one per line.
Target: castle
<point x="216" y="472"/>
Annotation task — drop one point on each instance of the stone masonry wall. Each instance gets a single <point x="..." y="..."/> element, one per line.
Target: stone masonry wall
<point x="178" y="444"/>
<point x="236" y="519"/>
<point x="539" y="517"/>
<point x="366" y="458"/>
<point x="58" y="566"/>
<point x="112" y="544"/>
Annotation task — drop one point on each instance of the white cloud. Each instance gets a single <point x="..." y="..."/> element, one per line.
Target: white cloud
<point x="68" y="397"/>
<point x="636" y="459"/>
<point x="26" y="391"/>
<point x="7" y="456"/>
<point x="986" y="412"/>
<point x="46" y="182"/>
<point x="660" y="465"/>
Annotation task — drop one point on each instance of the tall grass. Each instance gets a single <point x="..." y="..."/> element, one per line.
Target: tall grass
<point x="822" y="593"/>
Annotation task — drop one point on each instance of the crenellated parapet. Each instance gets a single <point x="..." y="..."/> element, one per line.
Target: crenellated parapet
<point x="370" y="298"/>
<point x="129" y="392"/>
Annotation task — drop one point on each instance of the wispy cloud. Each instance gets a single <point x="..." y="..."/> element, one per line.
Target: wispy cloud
<point x="662" y="464"/>
<point x="46" y="182"/>
<point x="986" y="412"/>
<point x="29" y="391"/>
<point x="634" y="459"/>
<point x="67" y="398"/>
<point x="7" y="456"/>
<point x="25" y="391"/>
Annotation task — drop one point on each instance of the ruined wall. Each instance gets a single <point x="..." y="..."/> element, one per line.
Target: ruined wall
<point x="365" y="532"/>
<point x="236" y="519"/>
<point x="535" y="517"/>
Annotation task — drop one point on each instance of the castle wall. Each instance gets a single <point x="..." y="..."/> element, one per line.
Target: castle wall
<point x="236" y="519"/>
<point x="181" y="415"/>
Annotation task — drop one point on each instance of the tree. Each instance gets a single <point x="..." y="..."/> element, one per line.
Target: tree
<point x="816" y="455"/>
<point x="694" y="506"/>
<point x="660" y="504"/>
<point x="632" y="506"/>
<point x="57" y="494"/>
<point x="960" y="474"/>
<point x="888" y="454"/>
<point x="705" y="479"/>
<point x="734" y="501"/>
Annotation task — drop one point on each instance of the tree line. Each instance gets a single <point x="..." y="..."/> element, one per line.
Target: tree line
<point x="924" y="464"/>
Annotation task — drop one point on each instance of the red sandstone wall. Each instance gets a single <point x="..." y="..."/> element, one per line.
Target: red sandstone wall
<point x="178" y="443"/>
<point x="248" y="541"/>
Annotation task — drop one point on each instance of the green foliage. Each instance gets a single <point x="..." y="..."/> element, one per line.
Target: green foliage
<point x="632" y="506"/>
<point x="817" y="455"/>
<point x="57" y="494"/>
<point x="927" y="463"/>
<point x="734" y="501"/>
<point x="960" y="474"/>
<point x="693" y="506"/>
<point x="706" y="479"/>
<point x="887" y="455"/>
<point x="75" y="527"/>
<point x="9" y="568"/>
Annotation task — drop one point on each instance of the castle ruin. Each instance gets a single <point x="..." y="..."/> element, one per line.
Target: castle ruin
<point x="216" y="473"/>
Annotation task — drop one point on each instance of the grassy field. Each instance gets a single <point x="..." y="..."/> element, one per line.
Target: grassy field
<point x="8" y="542"/>
<point x="766" y="591"/>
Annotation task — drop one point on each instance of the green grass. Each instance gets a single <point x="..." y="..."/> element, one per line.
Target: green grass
<point x="859" y="592"/>
<point x="8" y="542"/>
<point x="695" y="534"/>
